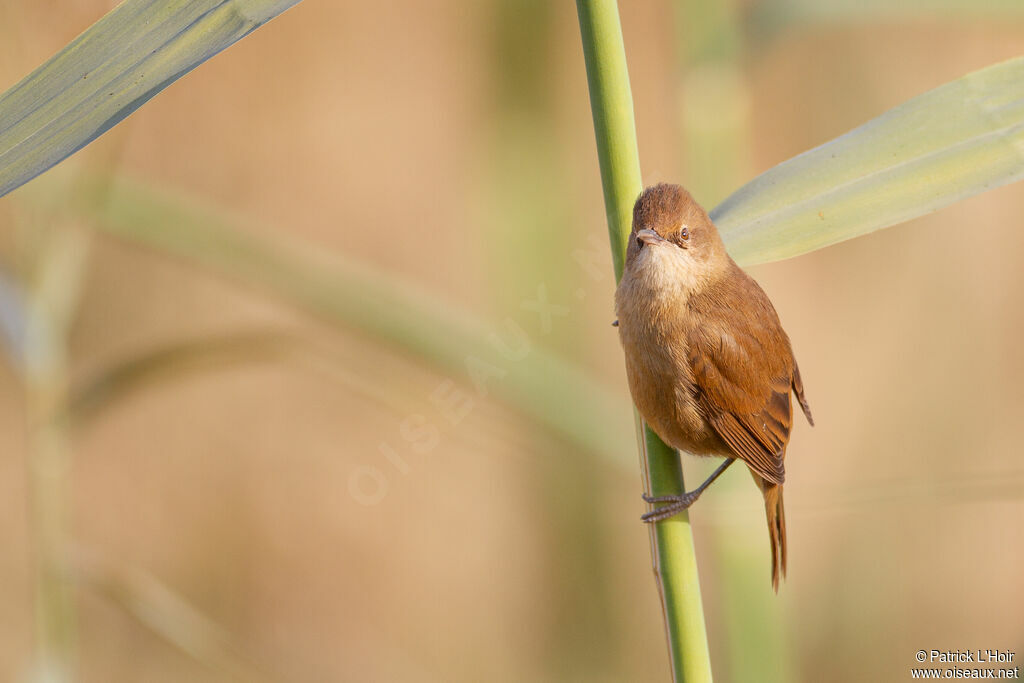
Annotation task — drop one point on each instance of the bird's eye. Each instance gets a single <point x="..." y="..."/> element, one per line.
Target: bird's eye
<point x="685" y="234"/>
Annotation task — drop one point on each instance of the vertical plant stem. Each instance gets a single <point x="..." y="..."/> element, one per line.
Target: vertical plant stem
<point x="48" y="465"/>
<point x="58" y="253"/>
<point x="54" y="254"/>
<point x="715" y="122"/>
<point x="714" y="96"/>
<point x="50" y="309"/>
<point x="675" y="563"/>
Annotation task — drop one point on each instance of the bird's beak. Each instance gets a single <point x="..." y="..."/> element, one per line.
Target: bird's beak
<point x="648" y="236"/>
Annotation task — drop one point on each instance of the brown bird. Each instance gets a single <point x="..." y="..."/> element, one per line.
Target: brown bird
<point x="709" y="366"/>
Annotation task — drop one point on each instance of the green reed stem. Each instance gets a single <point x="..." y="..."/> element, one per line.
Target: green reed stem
<point x="675" y="563"/>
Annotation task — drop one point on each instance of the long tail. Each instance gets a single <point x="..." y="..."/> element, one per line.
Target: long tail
<point x="776" y="529"/>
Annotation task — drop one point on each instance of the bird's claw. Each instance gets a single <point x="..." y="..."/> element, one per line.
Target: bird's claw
<point x="675" y="505"/>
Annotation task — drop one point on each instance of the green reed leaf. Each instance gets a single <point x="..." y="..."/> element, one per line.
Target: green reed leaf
<point x="105" y="74"/>
<point x="948" y="144"/>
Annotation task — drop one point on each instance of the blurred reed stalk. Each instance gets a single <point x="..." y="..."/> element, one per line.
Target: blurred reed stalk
<point x="675" y="562"/>
<point x="714" y="98"/>
<point x="49" y="311"/>
<point x="56" y="255"/>
<point x="527" y="213"/>
<point x="715" y="125"/>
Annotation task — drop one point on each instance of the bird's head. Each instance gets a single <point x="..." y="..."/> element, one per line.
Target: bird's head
<point x="673" y="239"/>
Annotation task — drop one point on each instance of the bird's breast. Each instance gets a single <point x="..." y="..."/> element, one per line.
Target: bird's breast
<point x="654" y="329"/>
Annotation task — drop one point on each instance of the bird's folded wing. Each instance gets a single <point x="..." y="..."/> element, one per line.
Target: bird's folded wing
<point x="744" y="393"/>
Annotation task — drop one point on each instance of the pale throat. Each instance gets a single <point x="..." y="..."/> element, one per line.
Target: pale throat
<point x="669" y="272"/>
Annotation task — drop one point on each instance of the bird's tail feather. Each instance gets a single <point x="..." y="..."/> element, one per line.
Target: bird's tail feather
<point x="776" y="529"/>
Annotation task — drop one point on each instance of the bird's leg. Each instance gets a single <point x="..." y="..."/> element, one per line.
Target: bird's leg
<point x="677" y="504"/>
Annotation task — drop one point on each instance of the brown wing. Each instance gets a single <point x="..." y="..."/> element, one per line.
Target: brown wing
<point x="743" y="371"/>
<point x="798" y="389"/>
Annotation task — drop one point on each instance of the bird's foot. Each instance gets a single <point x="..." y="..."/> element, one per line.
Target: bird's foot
<point x="676" y="504"/>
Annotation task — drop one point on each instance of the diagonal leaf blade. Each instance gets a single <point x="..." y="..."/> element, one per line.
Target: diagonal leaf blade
<point x="540" y="384"/>
<point x="118" y="64"/>
<point x="958" y="140"/>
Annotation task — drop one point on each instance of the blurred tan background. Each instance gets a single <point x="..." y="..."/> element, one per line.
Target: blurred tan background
<point x="224" y="522"/>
